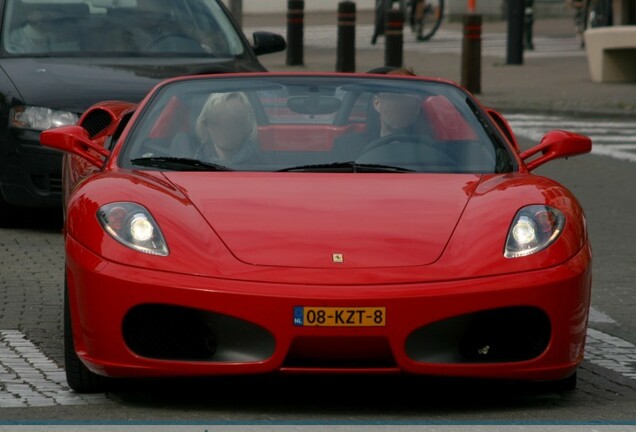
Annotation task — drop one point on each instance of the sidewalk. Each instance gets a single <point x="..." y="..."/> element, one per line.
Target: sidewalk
<point x="540" y="84"/>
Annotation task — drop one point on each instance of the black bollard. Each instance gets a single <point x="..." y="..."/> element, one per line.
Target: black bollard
<point x="295" y="29"/>
<point x="628" y="12"/>
<point x="471" y="54"/>
<point x="515" y="31"/>
<point x="528" y="22"/>
<point x="346" y="56"/>
<point x="394" y="38"/>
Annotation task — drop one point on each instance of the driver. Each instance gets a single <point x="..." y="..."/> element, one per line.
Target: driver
<point x="398" y="114"/>
<point x="159" y="27"/>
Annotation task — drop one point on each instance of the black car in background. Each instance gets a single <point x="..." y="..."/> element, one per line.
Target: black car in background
<point x="58" y="57"/>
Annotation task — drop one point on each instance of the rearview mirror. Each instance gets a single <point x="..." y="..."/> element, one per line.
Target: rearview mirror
<point x="314" y="105"/>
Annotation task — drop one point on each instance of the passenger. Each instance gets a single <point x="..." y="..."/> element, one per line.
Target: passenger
<point x="35" y="35"/>
<point x="227" y="129"/>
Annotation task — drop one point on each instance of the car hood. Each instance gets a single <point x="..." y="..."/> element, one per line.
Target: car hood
<point x="318" y="221"/>
<point x="75" y="84"/>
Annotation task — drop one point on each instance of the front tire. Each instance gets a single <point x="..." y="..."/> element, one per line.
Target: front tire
<point x="78" y="376"/>
<point x="9" y="215"/>
<point x="566" y="385"/>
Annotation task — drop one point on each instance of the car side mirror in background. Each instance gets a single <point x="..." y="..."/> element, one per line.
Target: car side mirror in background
<point x="267" y="43"/>
<point x="74" y="140"/>
<point x="554" y="145"/>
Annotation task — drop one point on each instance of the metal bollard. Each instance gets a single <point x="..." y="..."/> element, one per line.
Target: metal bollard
<point x="471" y="54"/>
<point x="295" y="29"/>
<point x="346" y="55"/>
<point x="394" y="38"/>
<point x="528" y="21"/>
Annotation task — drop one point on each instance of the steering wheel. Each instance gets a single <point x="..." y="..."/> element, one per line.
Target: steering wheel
<point x="395" y="138"/>
<point x="174" y="41"/>
<point x="416" y="144"/>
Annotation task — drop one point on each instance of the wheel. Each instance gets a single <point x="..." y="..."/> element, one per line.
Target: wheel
<point x="78" y="376"/>
<point x="559" y="386"/>
<point x="9" y="215"/>
<point x="566" y="384"/>
<point x="429" y="20"/>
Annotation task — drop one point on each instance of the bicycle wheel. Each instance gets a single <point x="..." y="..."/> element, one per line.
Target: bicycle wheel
<point x="427" y="24"/>
<point x="381" y="11"/>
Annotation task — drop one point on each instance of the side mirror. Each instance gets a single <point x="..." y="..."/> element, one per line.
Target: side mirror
<point x="267" y="43"/>
<point x="74" y="140"/>
<point x="554" y="145"/>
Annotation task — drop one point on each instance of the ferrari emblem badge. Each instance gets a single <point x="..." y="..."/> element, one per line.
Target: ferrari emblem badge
<point x="337" y="258"/>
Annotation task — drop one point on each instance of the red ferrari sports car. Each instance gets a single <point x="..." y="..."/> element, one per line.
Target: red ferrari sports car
<point x="317" y="223"/>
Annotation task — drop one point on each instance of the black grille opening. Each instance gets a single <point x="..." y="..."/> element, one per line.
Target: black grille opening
<point x="506" y="335"/>
<point x="168" y="332"/>
<point x="47" y="183"/>
<point x="498" y="335"/>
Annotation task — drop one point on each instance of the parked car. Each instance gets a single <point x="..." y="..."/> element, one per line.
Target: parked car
<point x="264" y="222"/>
<point x="58" y="57"/>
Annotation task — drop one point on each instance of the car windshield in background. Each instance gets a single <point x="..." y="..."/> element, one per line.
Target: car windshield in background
<point x="314" y="124"/>
<point x="118" y="27"/>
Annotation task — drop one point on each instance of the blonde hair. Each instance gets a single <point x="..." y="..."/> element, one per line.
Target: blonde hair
<point x="214" y="104"/>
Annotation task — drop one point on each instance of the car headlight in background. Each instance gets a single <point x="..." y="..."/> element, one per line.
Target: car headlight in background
<point x="133" y="226"/>
<point x="534" y="228"/>
<point x="40" y="118"/>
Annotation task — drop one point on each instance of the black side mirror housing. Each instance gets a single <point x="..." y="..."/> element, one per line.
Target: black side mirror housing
<point x="267" y="43"/>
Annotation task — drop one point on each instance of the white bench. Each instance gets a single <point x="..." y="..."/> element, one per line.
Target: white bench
<point x="611" y="53"/>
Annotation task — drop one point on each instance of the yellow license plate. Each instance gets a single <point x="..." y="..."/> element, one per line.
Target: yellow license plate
<point x="305" y="316"/>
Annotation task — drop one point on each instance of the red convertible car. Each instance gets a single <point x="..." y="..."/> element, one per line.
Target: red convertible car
<point x="317" y="223"/>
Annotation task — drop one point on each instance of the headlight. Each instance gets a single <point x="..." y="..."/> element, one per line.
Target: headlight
<point x="40" y="118"/>
<point x="133" y="226"/>
<point x="534" y="228"/>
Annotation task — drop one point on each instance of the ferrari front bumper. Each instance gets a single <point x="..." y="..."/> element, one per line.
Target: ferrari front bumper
<point x="131" y="322"/>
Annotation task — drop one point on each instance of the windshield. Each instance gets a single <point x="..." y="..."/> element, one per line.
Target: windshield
<point x="314" y="124"/>
<point x="118" y="28"/>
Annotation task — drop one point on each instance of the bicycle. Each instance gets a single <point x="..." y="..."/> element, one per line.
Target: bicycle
<point x="424" y="16"/>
